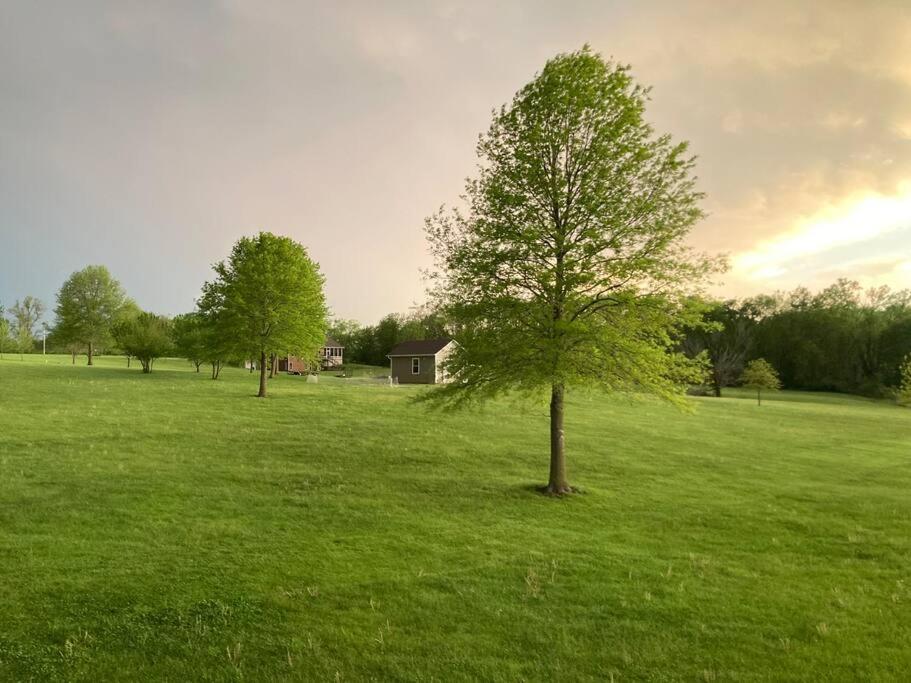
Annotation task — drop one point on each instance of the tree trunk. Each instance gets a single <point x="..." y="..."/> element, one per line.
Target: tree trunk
<point x="90" y="352"/>
<point x="272" y="367"/>
<point x="74" y="358"/>
<point x="759" y="397"/>
<point x="251" y="365"/>
<point x="129" y="358"/>
<point x="557" y="485"/>
<point x="197" y="364"/>
<point x="717" y="390"/>
<point x="262" y="375"/>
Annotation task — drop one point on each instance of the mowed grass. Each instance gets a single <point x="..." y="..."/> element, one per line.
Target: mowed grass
<point x="171" y="527"/>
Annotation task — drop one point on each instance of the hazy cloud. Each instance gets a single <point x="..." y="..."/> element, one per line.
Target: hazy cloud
<point x="149" y="136"/>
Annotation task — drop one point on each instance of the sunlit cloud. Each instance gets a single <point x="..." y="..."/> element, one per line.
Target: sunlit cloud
<point x="850" y="223"/>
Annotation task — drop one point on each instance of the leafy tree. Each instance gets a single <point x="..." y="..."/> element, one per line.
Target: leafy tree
<point x="726" y="340"/>
<point x="88" y="304"/>
<point x="217" y="347"/>
<point x="904" y="388"/>
<point x="4" y="330"/>
<point x="759" y="374"/>
<point x="841" y="339"/>
<point x="189" y="338"/>
<point x="568" y="268"/>
<point x="26" y="316"/>
<point x="267" y="298"/>
<point x="146" y="336"/>
<point x="123" y="326"/>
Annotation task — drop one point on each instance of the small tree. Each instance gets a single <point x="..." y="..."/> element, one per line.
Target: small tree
<point x="759" y="374"/>
<point x="726" y="337"/>
<point x="267" y="298"/>
<point x="569" y="267"/>
<point x="904" y="388"/>
<point x="147" y="337"/>
<point x="26" y="316"/>
<point x="4" y="330"/>
<point x="88" y="304"/>
<point x="189" y="338"/>
<point x="123" y="326"/>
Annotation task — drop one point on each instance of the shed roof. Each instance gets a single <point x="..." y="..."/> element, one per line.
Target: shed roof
<point x="420" y="347"/>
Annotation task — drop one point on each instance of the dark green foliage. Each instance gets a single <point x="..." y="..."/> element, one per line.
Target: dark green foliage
<point x="145" y="336"/>
<point x="841" y="339"/>
<point x="369" y="344"/>
<point x="190" y="338"/>
<point x="904" y="382"/>
<point x="726" y="337"/>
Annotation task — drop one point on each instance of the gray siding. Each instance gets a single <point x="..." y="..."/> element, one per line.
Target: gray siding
<point x="400" y="367"/>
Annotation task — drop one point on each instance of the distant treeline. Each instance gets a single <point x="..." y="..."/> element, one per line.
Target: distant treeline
<point x="841" y="339"/>
<point x="369" y="344"/>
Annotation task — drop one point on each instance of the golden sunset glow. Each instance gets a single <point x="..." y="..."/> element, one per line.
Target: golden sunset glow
<point x="854" y="222"/>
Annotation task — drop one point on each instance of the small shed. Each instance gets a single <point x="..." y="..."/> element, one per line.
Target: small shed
<point x="420" y="361"/>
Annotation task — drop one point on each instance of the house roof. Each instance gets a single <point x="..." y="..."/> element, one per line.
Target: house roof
<point x="420" y="347"/>
<point x="331" y="342"/>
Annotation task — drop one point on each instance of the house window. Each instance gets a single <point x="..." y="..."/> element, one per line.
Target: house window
<point x="415" y="366"/>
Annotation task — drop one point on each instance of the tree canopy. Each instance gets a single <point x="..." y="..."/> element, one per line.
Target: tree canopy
<point x="267" y="298"/>
<point x="759" y="374"/>
<point x="189" y="338"/>
<point x="725" y="336"/>
<point x="904" y="387"/>
<point x="88" y="304"/>
<point x="568" y="267"/>
<point x="26" y="316"/>
<point x="146" y="336"/>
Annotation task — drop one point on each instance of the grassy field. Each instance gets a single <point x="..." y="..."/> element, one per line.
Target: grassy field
<point x="171" y="527"/>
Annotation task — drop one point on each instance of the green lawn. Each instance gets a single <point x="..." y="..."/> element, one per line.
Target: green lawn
<point x="166" y="526"/>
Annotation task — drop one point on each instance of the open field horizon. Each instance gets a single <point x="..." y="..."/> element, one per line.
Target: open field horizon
<point x="167" y="526"/>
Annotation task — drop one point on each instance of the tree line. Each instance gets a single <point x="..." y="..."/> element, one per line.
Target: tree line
<point x="842" y="338"/>
<point x="369" y="344"/>
<point x="266" y="298"/>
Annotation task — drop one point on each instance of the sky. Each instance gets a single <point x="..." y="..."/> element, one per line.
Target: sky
<point x="150" y="136"/>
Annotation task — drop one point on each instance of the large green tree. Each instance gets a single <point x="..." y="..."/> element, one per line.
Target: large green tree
<point x="568" y="266"/>
<point x="88" y="305"/>
<point x="267" y="298"/>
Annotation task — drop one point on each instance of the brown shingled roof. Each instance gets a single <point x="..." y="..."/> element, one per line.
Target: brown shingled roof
<point x="420" y="347"/>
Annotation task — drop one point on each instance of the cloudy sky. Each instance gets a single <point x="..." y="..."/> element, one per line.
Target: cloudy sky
<point x="149" y="136"/>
